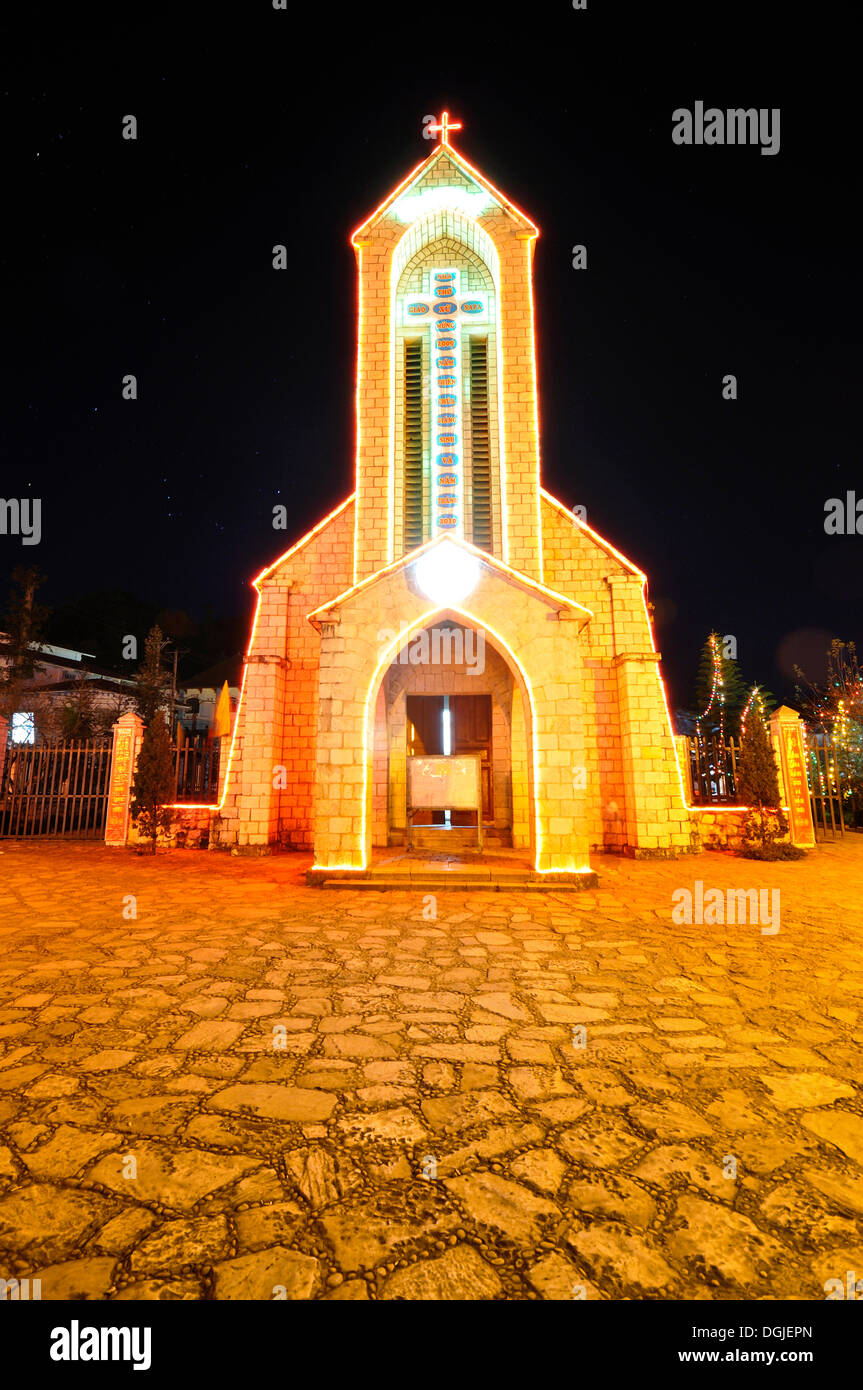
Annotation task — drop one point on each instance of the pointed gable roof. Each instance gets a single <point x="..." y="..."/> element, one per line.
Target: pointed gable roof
<point x="558" y="602"/>
<point x="444" y="168"/>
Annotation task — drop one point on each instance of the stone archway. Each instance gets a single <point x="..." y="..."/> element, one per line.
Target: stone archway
<point x="412" y="671"/>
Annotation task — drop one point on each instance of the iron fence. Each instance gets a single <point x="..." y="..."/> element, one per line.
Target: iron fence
<point x="827" y="791"/>
<point x="196" y="772"/>
<point x="713" y="768"/>
<point x="58" y="789"/>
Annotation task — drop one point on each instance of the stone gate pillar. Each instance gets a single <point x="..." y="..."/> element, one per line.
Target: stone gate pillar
<point x="786" y="734"/>
<point x="657" y="820"/>
<point x="128" y="732"/>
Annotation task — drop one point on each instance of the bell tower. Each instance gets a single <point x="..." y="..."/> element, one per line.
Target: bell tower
<point x="447" y="438"/>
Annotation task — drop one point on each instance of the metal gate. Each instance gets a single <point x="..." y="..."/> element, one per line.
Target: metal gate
<point x="55" y="789"/>
<point x="826" y="789"/>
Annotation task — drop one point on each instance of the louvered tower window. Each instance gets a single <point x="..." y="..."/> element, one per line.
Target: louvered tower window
<point x="480" y="444"/>
<point x="413" y="445"/>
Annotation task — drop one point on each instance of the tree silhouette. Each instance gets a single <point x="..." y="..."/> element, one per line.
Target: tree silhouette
<point x="153" y="783"/>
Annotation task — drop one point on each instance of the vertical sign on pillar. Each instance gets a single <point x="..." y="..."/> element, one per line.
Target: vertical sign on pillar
<point x="127" y="740"/>
<point x="444" y="311"/>
<point x="787" y="736"/>
<point x="4" y="735"/>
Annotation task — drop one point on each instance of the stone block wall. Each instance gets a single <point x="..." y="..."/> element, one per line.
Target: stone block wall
<point x="639" y="806"/>
<point x="277" y="720"/>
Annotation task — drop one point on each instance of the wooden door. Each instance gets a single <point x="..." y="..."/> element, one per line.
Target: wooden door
<point x="470" y="717"/>
<point x="425" y="714"/>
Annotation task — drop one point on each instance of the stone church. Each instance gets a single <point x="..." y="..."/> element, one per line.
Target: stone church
<point x="450" y="604"/>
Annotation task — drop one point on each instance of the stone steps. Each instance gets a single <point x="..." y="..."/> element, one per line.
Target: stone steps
<point x="460" y="880"/>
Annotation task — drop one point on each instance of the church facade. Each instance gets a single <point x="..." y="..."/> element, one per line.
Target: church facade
<point x="450" y="604"/>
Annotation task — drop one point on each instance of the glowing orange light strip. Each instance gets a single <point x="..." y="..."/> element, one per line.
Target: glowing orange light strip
<point x="391" y="423"/>
<point x="606" y="545"/>
<point x="305" y="540"/>
<point x="529" y="244"/>
<point x="217" y="806"/>
<point x="489" y="186"/>
<point x="357" y="407"/>
<point x="391" y="197"/>
<point x="458" y="158"/>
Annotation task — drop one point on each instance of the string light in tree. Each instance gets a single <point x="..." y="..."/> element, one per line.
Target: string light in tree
<point x="717" y="693"/>
<point x="754" y="698"/>
<point x="717" y="697"/>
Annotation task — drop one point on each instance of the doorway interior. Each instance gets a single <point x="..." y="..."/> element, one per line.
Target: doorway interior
<point x="452" y="725"/>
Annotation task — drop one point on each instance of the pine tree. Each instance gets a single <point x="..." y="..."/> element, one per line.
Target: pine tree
<point x="78" y="714"/>
<point x="151" y="694"/>
<point x="834" y="707"/>
<point x="758" y="788"/>
<point x="734" y="690"/>
<point x="23" y="621"/>
<point x="757" y="777"/>
<point x="153" y="784"/>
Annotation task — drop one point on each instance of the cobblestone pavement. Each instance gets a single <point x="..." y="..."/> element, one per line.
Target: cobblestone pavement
<point x="156" y="1142"/>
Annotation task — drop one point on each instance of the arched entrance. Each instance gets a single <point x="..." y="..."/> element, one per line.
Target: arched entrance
<point x="450" y="688"/>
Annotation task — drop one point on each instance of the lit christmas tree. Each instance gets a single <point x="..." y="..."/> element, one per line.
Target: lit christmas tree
<point x="834" y="716"/>
<point x="765" y="825"/>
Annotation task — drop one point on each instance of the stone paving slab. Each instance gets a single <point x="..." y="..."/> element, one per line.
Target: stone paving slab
<point x="252" y="1089"/>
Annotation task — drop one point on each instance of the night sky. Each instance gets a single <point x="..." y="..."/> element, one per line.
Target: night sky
<point x="258" y="127"/>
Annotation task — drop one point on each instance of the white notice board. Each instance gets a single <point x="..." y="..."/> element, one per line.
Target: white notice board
<point x="441" y="783"/>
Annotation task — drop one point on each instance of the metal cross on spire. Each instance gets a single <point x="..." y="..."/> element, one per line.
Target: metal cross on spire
<point x="445" y="125"/>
